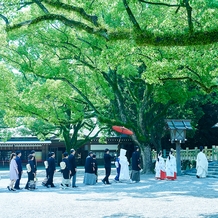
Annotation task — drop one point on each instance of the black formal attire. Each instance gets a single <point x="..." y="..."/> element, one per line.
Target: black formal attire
<point x="135" y="174"/>
<point x="66" y="171"/>
<point x="72" y="166"/>
<point x="35" y="163"/>
<point x="89" y="177"/>
<point x="107" y="166"/>
<point x="51" y="171"/>
<point x="31" y="174"/>
<point x="89" y="165"/>
<point x="20" y="170"/>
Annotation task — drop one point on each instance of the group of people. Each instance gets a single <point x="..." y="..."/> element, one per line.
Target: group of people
<point x="16" y="171"/>
<point x="122" y="167"/>
<point x="68" y="169"/>
<point x="168" y="170"/>
<point x="164" y="170"/>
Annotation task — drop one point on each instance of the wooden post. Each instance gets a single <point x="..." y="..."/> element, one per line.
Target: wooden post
<point x="178" y="158"/>
<point x="213" y="152"/>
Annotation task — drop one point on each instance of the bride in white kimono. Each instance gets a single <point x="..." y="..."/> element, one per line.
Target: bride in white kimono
<point x="201" y="164"/>
<point x="124" y="167"/>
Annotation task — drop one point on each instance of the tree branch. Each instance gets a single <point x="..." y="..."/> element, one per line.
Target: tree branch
<point x="205" y="88"/>
<point x="73" y="87"/>
<point x="159" y="3"/>
<point x="44" y="9"/>
<point x="5" y="19"/>
<point x="143" y="39"/>
<point x="189" y="15"/>
<point x="64" y="20"/>
<point x="81" y="11"/>
<point x="131" y="16"/>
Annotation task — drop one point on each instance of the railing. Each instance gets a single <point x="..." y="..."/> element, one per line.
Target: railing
<point x="191" y="154"/>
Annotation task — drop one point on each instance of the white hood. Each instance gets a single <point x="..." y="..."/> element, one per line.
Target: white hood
<point x="122" y="152"/>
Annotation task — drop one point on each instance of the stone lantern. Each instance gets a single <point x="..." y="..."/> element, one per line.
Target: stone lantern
<point x="178" y="135"/>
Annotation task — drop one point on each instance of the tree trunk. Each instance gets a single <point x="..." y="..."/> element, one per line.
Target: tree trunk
<point x="146" y="159"/>
<point x="67" y="141"/>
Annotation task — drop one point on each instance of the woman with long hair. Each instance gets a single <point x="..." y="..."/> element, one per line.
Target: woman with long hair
<point x="31" y="171"/>
<point x="160" y="167"/>
<point x="171" y="167"/>
<point x="13" y="172"/>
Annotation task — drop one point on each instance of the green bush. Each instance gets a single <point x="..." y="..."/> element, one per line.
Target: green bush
<point x="193" y="163"/>
<point x="186" y="164"/>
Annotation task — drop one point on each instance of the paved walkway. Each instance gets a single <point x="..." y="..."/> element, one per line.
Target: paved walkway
<point x="187" y="197"/>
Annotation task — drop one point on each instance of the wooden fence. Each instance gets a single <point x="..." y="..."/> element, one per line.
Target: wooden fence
<point x="191" y="154"/>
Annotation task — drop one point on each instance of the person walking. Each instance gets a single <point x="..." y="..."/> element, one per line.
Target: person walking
<point x="171" y="167"/>
<point x="124" y="167"/>
<point x="117" y="164"/>
<point x="33" y="153"/>
<point x="51" y="170"/>
<point x="46" y="170"/>
<point x="13" y="172"/>
<point x="136" y="167"/>
<point x="89" y="177"/>
<point x="20" y="169"/>
<point x="73" y="169"/>
<point x="107" y="166"/>
<point x="160" y="167"/>
<point x="31" y="171"/>
<point x="65" y="170"/>
<point x="201" y="164"/>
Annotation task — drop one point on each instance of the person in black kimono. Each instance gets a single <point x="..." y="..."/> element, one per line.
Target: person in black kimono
<point x="65" y="170"/>
<point x="89" y="177"/>
<point x="30" y="185"/>
<point x="107" y="166"/>
<point x="51" y="170"/>
<point x="135" y="174"/>
<point x="72" y="163"/>
<point x="34" y="159"/>
<point x="20" y="169"/>
<point x="46" y="169"/>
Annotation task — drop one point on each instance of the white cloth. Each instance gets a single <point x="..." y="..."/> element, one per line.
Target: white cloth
<point x="160" y="166"/>
<point x="171" y="166"/>
<point x="201" y="165"/>
<point x="124" y="166"/>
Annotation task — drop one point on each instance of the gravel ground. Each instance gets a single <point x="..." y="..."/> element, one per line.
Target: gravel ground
<point x="186" y="197"/>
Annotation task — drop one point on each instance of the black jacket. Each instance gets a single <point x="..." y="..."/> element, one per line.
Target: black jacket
<point x="107" y="160"/>
<point x="19" y="165"/>
<point x="136" y="161"/>
<point x="72" y="164"/>
<point x="33" y="170"/>
<point x="89" y="165"/>
<point x="51" y="164"/>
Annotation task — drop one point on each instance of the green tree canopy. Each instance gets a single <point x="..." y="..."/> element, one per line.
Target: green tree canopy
<point x="129" y="62"/>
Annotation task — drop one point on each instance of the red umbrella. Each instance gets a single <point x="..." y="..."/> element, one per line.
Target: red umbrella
<point x="122" y="129"/>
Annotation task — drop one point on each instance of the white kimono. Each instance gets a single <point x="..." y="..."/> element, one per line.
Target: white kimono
<point x="171" y="166"/>
<point x="159" y="166"/>
<point x="124" y="166"/>
<point x="201" y="165"/>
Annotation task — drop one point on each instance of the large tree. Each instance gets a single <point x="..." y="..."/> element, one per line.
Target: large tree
<point x="106" y="59"/>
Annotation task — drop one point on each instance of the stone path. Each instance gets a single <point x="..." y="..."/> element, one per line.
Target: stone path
<point x="187" y="197"/>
